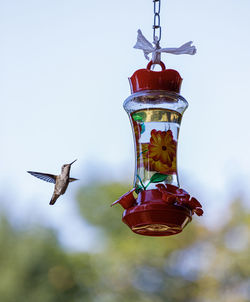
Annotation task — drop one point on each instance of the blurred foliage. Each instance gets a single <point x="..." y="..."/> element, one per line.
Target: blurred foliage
<point x="198" y="265"/>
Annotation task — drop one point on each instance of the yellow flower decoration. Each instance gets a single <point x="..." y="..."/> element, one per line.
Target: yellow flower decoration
<point x="158" y="166"/>
<point x="162" y="147"/>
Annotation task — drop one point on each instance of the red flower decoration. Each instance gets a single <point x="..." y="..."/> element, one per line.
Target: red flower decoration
<point x="174" y="195"/>
<point x="166" y="195"/>
<point x="127" y="200"/>
<point x="198" y="212"/>
<point x="195" y="206"/>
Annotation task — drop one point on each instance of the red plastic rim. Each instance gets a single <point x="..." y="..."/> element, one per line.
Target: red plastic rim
<point x="157" y="219"/>
<point x="154" y="217"/>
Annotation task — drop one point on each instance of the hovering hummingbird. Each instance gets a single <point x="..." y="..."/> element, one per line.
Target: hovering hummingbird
<point x="61" y="181"/>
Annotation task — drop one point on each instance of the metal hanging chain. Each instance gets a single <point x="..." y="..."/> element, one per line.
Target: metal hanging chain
<point x="155" y="49"/>
<point x="157" y="23"/>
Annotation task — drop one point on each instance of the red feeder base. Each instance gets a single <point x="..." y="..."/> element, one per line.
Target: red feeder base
<point x="154" y="217"/>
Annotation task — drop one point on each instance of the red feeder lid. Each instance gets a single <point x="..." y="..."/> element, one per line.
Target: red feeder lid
<point x="147" y="79"/>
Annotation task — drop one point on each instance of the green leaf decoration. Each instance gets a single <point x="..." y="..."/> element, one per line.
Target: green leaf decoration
<point x="138" y="189"/>
<point x="141" y="153"/>
<point x="142" y="185"/>
<point x="142" y="128"/>
<point x="158" y="177"/>
<point x="139" y="116"/>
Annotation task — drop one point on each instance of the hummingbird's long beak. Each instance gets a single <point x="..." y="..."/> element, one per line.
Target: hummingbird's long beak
<point x="73" y="161"/>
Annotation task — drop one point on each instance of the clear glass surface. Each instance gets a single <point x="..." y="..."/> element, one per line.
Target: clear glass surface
<point x="155" y="117"/>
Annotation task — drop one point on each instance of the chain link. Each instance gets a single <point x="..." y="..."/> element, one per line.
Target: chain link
<point x="157" y="23"/>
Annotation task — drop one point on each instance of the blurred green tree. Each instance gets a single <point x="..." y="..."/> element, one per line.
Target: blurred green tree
<point x="198" y="265"/>
<point x="34" y="268"/>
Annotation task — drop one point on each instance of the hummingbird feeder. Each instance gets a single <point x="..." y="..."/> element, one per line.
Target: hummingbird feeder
<point x="157" y="206"/>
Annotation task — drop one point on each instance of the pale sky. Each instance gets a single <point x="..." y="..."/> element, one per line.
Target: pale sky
<point x="63" y="79"/>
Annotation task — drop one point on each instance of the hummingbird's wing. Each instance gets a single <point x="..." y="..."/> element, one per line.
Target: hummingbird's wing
<point x="72" y="179"/>
<point x="44" y="176"/>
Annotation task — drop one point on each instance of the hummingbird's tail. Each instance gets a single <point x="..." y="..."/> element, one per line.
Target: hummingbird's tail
<point x="54" y="199"/>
